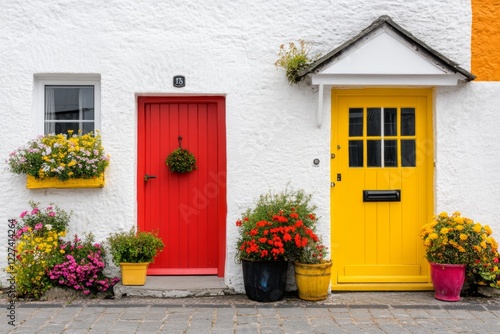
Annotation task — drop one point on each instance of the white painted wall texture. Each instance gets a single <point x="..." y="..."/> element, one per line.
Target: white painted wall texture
<point x="229" y="49"/>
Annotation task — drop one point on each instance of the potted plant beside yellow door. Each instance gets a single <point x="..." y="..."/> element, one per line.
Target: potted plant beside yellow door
<point x="133" y="252"/>
<point x="459" y="249"/>
<point x="312" y="269"/>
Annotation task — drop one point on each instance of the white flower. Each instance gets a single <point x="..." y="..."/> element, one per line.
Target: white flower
<point x="48" y="227"/>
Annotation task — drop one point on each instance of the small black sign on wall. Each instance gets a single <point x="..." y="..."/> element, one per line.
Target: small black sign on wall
<point x="179" y="81"/>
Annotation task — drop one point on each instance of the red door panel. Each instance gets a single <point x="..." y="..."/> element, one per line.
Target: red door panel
<point x="188" y="210"/>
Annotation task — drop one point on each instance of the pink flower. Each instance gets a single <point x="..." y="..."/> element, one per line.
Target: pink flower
<point x="52" y="214"/>
<point x="35" y="211"/>
<point x="24" y="213"/>
<point x="38" y="226"/>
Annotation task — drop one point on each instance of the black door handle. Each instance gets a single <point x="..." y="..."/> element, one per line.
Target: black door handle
<point x="147" y="177"/>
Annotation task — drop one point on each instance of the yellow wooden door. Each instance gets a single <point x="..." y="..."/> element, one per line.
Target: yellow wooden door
<point x="381" y="188"/>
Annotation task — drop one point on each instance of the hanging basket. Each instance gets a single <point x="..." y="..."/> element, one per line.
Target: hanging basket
<point x="181" y="161"/>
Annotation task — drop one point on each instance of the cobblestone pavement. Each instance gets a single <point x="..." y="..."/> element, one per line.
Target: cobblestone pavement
<point x="362" y="312"/>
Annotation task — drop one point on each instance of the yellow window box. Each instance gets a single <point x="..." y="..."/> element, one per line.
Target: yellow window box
<point x="52" y="182"/>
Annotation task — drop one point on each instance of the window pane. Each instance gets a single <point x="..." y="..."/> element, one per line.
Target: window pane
<point x="407" y="121"/>
<point x="61" y="127"/>
<point x="390" y="153"/>
<point x="373" y="121"/>
<point x="355" y="153"/>
<point x="355" y="122"/>
<point x="408" y="154"/>
<point x="68" y="103"/>
<point x="390" y="121"/>
<point x="374" y="152"/>
<point x="88" y="127"/>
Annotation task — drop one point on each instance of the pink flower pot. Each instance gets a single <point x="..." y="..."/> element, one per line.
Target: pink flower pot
<point x="448" y="280"/>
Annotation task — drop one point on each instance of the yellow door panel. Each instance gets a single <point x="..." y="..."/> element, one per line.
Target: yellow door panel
<point x="382" y="143"/>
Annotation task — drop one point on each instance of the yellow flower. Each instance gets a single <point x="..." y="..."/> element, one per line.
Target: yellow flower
<point x="444" y="230"/>
<point x="443" y="215"/>
<point x="433" y="236"/>
<point x="477" y="228"/>
<point x="463" y="236"/>
<point x="483" y="244"/>
<point x="488" y="229"/>
<point x="62" y="251"/>
<point x="459" y="227"/>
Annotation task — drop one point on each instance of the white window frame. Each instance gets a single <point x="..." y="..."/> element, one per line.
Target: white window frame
<point x="42" y="80"/>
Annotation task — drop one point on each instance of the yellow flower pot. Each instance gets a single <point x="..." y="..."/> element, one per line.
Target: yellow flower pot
<point x="52" y="182"/>
<point x="134" y="273"/>
<point x="313" y="280"/>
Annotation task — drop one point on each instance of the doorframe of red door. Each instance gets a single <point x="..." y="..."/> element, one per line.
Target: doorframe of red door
<point x="221" y="158"/>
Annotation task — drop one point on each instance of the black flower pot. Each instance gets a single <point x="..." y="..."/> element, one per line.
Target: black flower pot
<point x="265" y="281"/>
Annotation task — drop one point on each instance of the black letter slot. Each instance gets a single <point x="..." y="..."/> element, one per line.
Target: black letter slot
<point x="381" y="195"/>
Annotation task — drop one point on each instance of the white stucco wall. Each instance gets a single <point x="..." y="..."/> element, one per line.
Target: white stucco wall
<point x="227" y="49"/>
<point x="467" y="147"/>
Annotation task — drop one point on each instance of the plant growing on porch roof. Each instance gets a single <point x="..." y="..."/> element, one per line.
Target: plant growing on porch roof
<point x="295" y="58"/>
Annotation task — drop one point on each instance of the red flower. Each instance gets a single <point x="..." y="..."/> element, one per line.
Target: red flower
<point x="294" y="215"/>
<point x="263" y="240"/>
<point x="261" y="223"/>
<point x="287" y="237"/>
<point x="298" y="241"/>
<point x="238" y="223"/>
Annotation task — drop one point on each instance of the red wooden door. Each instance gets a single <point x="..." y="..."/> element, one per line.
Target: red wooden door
<point x="188" y="210"/>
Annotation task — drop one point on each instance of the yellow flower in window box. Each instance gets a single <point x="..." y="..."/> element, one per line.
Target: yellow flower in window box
<point x="61" y="161"/>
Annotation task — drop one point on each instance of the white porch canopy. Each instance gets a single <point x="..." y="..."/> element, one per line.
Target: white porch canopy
<point x="384" y="55"/>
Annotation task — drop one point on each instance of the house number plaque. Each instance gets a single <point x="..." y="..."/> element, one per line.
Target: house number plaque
<point x="179" y="81"/>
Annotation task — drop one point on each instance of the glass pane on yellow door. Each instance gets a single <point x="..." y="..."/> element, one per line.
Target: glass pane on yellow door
<point x="374" y="153"/>
<point x="373" y="122"/>
<point x="355" y="122"/>
<point x="407" y="121"/>
<point x="390" y="121"/>
<point x="355" y="153"/>
<point x="390" y="153"/>
<point x="408" y="154"/>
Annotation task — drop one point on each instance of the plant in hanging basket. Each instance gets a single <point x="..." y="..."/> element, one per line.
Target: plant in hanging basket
<point x="181" y="161"/>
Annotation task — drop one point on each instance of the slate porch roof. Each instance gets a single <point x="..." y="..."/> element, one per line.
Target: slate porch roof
<point x="385" y="22"/>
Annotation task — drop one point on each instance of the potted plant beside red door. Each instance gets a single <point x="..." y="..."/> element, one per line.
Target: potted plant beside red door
<point x="133" y="252"/>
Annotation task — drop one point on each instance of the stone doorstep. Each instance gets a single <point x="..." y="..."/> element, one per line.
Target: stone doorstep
<point x="175" y="287"/>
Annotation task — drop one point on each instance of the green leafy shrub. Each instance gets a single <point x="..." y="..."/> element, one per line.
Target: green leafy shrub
<point x="134" y="247"/>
